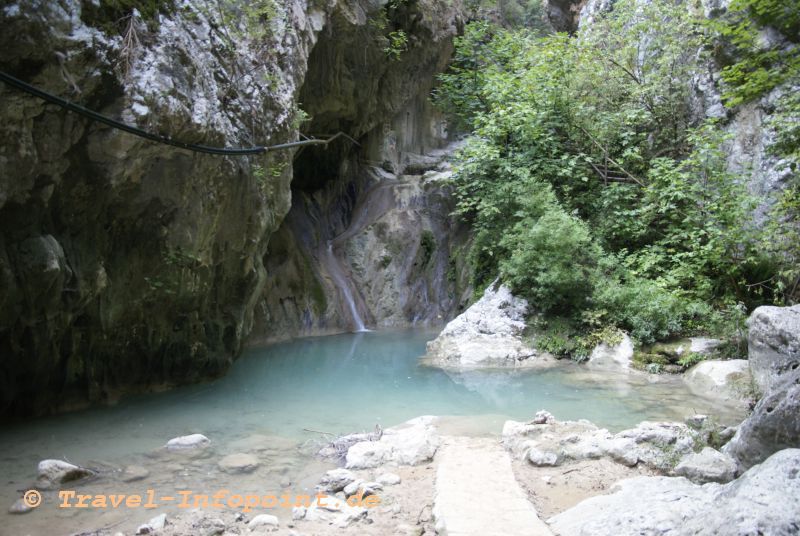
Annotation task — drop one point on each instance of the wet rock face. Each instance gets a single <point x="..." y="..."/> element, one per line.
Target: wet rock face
<point x="126" y="264"/>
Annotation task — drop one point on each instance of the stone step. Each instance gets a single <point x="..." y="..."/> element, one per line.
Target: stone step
<point x="477" y="494"/>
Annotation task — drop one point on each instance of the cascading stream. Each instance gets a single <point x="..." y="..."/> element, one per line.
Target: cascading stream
<point x="336" y="273"/>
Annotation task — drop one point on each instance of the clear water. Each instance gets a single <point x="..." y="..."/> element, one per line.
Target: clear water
<point x="276" y="399"/>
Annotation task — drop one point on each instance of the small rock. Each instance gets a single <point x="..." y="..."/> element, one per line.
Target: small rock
<point x="19" y="507"/>
<point x="696" y="421"/>
<point x="158" y="522"/>
<point x="51" y="473"/>
<point x="543" y="417"/>
<point x="359" y="486"/>
<point x="389" y="479"/>
<point x="132" y="473"/>
<point x="541" y="459"/>
<point x="727" y="434"/>
<point x="193" y="441"/>
<point x="263" y="520"/>
<point x="144" y="529"/>
<point x="239" y="463"/>
<point x="407" y="530"/>
<point x="335" y="480"/>
<point x="298" y="512"/>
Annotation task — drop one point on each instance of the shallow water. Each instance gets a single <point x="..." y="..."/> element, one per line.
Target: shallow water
<point x="277" y="399"/>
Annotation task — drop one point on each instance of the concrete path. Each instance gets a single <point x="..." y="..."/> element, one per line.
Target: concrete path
<point x="477" y="494"/>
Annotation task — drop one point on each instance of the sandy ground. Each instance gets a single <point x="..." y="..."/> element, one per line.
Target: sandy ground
<point x="555" y="489"/>
<point x="405" y="509"/>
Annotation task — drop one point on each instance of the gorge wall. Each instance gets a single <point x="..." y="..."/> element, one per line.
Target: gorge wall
<point x="126" y="264"/>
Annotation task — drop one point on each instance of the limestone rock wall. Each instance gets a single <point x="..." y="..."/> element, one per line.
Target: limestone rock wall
<point x="126" y="264"/>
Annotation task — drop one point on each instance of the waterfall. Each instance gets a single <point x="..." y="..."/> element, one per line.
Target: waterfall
<point x="335" y="270"/>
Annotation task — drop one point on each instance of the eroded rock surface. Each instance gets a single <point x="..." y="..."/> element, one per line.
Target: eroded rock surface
<point x="488" y="334"/>
<point x="762" y="501"/>
<point x="410" y="443"/>
<point x="126" y="264"/>
<point x="727" y="380"/>
<point x="658" y="445"/>
<point x="773" y="344"/>
<point x="773" y="425"/>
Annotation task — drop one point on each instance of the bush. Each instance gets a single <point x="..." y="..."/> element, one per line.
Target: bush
<point x="552" y="262"/>
<point x="648" y="311"/>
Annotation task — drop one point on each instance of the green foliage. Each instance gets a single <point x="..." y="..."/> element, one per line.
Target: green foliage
<point x="757" y="69"/>
<point x="660" y="247"/>
<point x="649" y="311"/>
<point x="427" y="246"/>
<point x="398" y="43"/>
<point x="552" y="261"/>
<point x="690" y="359"/>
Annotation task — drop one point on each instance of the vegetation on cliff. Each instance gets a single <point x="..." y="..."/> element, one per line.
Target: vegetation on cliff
<point x="595" y="188"/>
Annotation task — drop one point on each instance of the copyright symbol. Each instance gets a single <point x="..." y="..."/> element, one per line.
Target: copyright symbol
<point x="32" y="498"/>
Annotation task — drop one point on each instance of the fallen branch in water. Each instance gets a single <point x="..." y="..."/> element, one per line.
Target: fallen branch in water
<point x="318" y="432"/>
<point x="337" y="449"/>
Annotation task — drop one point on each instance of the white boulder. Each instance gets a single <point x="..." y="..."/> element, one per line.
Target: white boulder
<point x="488" y="334"/>
<point x="617" y="356"/>
<point x="336" y="480"/>
<point x="726" y="380"/>
<point x="263" y="520"/>
<point x="762" y="501"/>
<point x="188" y="442"/>
<point x="411" y="443"/>
<point x="388" y="479"/>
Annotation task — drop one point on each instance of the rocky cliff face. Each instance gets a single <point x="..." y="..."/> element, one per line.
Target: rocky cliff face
<point x="125" y="263"/>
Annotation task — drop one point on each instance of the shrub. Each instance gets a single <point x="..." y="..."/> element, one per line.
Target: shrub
<point x="648" y="311"/>
<point x="552" y="262"/>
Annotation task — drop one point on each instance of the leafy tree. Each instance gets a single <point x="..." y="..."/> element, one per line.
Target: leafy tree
<point x="590" y="190"/>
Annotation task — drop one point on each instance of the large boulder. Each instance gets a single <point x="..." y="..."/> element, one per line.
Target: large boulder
<point x="488" y="334"/>
<point x="726" y="380"/>
<point x="773" y="344"/>
<point x="612" y="356"/>
<point x="773" y="425"/>
<point x="411" y="443"/>
<point x="762" y="501"/>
